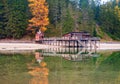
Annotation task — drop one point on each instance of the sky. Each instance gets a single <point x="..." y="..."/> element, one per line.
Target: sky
<point x="101" y="0"/>
<point x="104" y="1"/>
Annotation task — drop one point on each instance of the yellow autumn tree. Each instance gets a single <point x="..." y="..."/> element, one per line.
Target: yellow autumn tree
<point x="117" y="9"/>
<point x="39" y="10"/>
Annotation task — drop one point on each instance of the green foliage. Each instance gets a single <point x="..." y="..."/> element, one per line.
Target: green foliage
<point x="83" y="3"/>
<point x="65" y="16"/>
<point x="94" y="32"/>
<point x="2" y="19"/>
<point x="55" y="10"/>
<point x="109" y="21"/>
<point x="89" y="14"/>
<point x="68" y="23"/>
<point x="14" y="22"/>
<point x="100" y="33"/>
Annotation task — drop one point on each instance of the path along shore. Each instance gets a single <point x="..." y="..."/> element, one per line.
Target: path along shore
<point x="109" y="46"/>
<point x="24" y="46"/>
<point x="34" y="46"/>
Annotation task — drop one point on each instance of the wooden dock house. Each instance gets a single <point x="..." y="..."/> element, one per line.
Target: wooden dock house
<point x="72" y="39"/>
<point x="80" y="35"/>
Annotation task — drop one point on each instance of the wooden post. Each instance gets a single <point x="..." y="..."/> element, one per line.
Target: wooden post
<point x="57" y="43"/>
<point x="99" y="44"/>
<point x="62" y="43"/>
<point x="65" y="43"/>
<point x="74" y="43"/>
<point x="90" y="45"/>
<point x="95" y="45"/>
<point x="69" y="42"/>
<point x="77" y="45"/>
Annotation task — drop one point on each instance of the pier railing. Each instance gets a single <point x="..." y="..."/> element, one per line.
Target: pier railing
<point x="72" y="38"/>
<point x="71" y="41"/>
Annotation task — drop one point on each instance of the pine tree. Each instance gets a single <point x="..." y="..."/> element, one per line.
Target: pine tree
<point x="2" y="18"/>
<point x="68" y="25"/>
<point x="16" y="18"/>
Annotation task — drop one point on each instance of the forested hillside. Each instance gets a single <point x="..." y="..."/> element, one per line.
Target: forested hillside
<point x="13" y="18"/>
<point x="101" y="20"/>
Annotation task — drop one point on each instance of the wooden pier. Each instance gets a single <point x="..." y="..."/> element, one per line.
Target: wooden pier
<point x="71" y="42"/>
<point x="72" y="39"/>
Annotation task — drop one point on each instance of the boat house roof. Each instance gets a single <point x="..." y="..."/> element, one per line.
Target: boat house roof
<point x="78" y="33"/>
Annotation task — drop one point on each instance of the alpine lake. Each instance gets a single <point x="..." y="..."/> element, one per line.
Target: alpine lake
<point x="60" y="66"/>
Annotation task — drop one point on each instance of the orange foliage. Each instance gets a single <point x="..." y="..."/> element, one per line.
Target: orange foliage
<point x="43" y="64"/>
<point x="39" y="73"/>
<point x="39" y="10"/>
<point x="43" y="29"/>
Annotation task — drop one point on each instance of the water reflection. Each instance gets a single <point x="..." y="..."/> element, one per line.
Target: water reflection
<point x="39" y="73"/>
<point x="72" y="54"/>
<point x="108" y="69"/>
<point x="60" y="66"/>
<point x="89" y="67"/>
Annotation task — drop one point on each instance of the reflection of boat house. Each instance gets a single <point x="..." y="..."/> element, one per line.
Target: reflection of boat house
<point x="71" y="54"/>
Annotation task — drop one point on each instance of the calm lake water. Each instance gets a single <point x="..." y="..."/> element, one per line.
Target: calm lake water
<point x="60" y="66"/>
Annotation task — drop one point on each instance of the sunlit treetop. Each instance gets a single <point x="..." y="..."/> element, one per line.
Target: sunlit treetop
<point x="117" y="11"/>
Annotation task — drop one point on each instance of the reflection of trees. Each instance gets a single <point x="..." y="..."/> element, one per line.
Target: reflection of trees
<point x="39" y="73"/>
<point x="111" y="63"/>
<point x="108" y="69"/>
<point x="83" y="72"/>
<point x="13" y="68"/>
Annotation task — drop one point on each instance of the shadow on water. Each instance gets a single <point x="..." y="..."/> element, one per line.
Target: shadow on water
<point x="60" y="66"/>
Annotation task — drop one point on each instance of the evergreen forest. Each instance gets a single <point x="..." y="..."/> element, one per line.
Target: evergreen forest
<point x="100" y="19"/>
